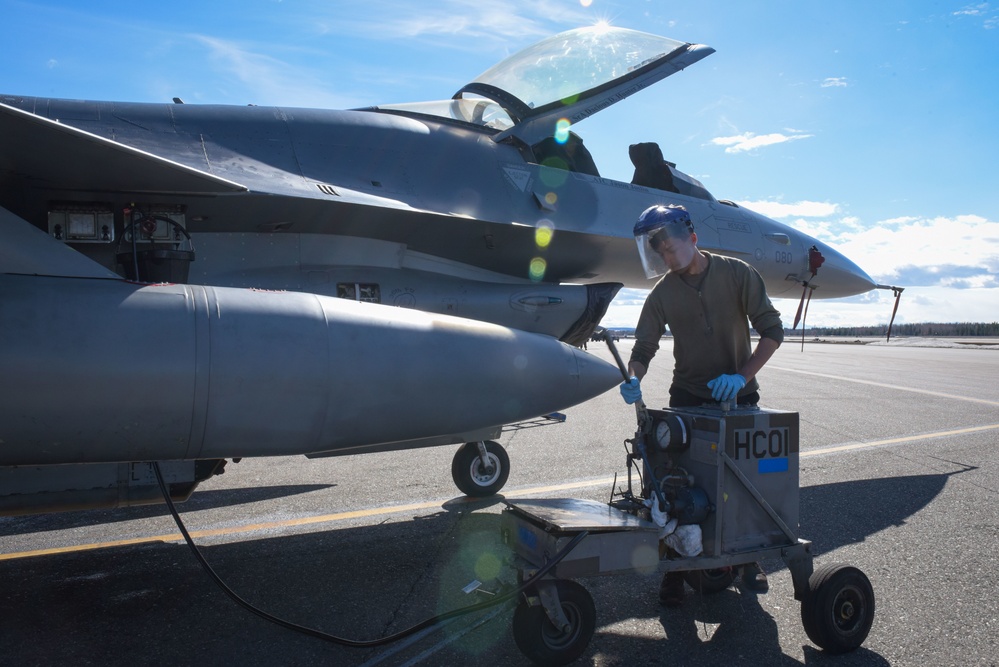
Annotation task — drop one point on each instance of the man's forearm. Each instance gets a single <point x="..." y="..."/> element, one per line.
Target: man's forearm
<point x="765" y="349"/>
<point x="637" y="369"/>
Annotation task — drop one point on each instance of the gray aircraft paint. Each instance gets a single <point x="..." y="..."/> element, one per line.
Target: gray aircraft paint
<point x="107" y="370"/>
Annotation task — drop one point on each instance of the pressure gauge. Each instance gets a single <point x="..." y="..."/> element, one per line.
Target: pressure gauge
<point x="663" y="432"/>
<point x="671" y="433"/>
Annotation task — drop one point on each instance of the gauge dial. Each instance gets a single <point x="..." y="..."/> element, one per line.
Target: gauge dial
<point x="671" y="433"/>
<point x="663" y="434"/>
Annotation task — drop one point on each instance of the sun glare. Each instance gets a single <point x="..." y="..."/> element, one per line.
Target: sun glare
<point x="601" y="26"/>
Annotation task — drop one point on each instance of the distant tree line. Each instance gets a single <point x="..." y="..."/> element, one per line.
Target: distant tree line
<point x="919" y="329"/>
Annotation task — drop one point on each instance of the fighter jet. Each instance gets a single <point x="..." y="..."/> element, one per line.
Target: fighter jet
<point x="170" y="269"/>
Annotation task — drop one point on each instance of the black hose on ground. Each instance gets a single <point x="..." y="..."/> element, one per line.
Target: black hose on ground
<point x="358" y="643"/>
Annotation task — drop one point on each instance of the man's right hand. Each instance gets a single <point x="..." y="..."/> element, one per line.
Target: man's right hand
<point x="631" y="391"/>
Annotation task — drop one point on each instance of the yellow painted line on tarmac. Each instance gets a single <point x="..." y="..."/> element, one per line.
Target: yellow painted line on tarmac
<point x="174" y="537"/>
<point x="394" y="509"/>
<point x="886" y="385"/>
<point x="895" y="441"/>
<point x="287" y="523"/>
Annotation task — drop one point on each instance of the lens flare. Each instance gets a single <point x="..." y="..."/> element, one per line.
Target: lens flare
<point x="544" y="232"/>
<point x="586" y="3"/>
<point x="645" y="559"/>
<point x="556" y="174"/>
<point x="562" y="130"/>
<point x="488" y="566"/>
<point x="537" y="268"/>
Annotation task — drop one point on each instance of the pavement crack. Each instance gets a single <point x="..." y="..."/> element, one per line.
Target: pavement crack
<point x="431" y="560"/>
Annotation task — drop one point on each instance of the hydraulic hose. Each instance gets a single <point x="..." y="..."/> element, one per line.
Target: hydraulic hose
<point x="358" y="643"/>
<point x="643" y="422"/>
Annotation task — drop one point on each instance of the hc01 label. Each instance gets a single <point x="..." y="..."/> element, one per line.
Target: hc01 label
<point x="759" y="443"/>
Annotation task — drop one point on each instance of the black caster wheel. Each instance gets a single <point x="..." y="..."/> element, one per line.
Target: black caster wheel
<point x="542" y="642"/>
<point x="474" y="478"/>
<point x="838" y="612"/>
<point x="710" y="581"/>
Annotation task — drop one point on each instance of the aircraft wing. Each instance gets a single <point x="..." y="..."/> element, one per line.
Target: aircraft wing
<point x="49" y="153"/>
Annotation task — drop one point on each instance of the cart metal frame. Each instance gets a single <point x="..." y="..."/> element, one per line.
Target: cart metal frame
<point x="732" y="472"/>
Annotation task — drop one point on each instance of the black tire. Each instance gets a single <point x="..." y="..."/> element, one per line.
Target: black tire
<point x="543" y="643"/>
<point x="710" y="581"/>
<point x="838" y="611"/>
<point x="475" y="479"/>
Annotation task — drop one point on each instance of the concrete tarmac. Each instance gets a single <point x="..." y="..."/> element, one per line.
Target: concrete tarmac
<point x="899" y="477"/>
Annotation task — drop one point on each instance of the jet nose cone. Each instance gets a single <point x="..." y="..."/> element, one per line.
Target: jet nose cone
<point x="549" y="375"/>
<point x="593" y="376"/>
<point x="438" y="375"/>
<point x="839" y="276"/>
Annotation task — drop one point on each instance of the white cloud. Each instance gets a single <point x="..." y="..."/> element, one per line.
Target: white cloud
<point x="269" y="80"/>
<point x="901" y="220"/>
<point x="834" y="82"/>
<point x="982" y="10"/>
<point x="973" y="10"/>
<point x="749" y="141"/>
<point x="806" y="209"/>
<point x="468" y="21"/>
<point x="959" y="252"/>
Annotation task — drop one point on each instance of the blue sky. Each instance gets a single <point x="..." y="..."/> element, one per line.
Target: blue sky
<point x="873" y="126"/>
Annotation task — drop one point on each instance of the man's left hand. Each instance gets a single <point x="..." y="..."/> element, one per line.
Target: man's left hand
<point x="726" y="387"/>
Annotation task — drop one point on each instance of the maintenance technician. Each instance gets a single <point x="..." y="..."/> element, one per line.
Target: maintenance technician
<point x="708" y="302"/>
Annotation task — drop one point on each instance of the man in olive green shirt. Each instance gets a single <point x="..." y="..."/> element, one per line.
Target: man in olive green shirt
<point x="708" y="307"/>
<point x="708" y="302"/>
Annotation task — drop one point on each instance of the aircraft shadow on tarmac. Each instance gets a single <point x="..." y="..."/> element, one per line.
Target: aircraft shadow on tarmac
<point x="199" y="500"/>
<point x="370" y="581"/>
<point x="834" y="515"/>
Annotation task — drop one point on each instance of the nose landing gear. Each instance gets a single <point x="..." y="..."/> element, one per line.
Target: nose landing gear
<point x="480" y="469"/>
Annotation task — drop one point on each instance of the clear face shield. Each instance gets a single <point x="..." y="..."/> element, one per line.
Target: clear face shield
<point x="665" y="248"/>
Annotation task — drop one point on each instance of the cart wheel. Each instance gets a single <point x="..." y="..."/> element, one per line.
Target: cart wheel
<point x="838" y="611"/>
<point x="543" y="643"/>
<point x="475" y="479"/>
<point x="710" y="581"/>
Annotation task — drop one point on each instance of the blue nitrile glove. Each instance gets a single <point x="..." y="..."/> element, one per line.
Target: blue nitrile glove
<point x="631" y="391"/>
<point x="726" y="387"/>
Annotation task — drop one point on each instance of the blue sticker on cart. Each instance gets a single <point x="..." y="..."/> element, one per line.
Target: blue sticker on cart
<point x="526" y="537"/>
<point x="772" y="465"/>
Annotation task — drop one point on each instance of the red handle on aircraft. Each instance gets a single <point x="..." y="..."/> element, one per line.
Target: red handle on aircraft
<point x="815" y="260"/>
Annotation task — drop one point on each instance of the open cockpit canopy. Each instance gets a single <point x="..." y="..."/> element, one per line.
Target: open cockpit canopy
<point x="570" y="76"/>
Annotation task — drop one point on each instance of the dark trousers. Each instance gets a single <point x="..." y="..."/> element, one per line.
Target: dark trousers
<point x="681" y="398"/>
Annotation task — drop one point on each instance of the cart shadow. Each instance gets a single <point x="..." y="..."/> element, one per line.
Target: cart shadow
<point x="730" y="624"/>
<point x="726" y="627"/>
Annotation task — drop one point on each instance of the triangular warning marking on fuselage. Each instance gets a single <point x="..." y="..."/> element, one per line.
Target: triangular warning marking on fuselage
<point x="518" y="177"/>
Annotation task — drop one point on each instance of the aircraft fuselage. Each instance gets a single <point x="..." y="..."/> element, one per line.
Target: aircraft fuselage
<point x="444" y="190"/>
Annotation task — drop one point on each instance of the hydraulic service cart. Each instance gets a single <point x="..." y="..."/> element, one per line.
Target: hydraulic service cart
<point x="734" y="474"/>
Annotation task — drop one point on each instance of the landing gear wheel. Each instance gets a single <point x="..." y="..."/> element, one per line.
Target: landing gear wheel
<point x="473" y="477"/>
<point x="710" y="581"/>
<point x="838" y="611"/>
<point x="542" y="642"/>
